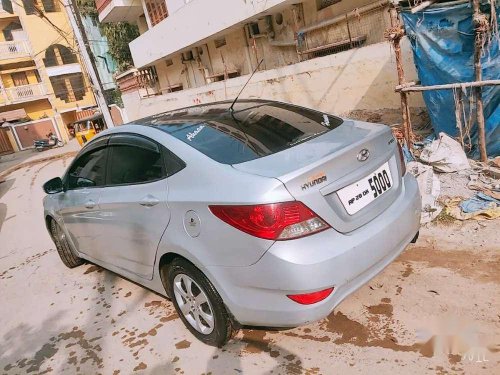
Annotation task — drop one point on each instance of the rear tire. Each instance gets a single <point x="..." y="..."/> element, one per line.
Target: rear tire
<point x="67" y="256"/>
<point x="210" y="315"/>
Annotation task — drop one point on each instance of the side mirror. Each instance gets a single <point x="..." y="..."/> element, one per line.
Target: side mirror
<point x="53" y="186"/>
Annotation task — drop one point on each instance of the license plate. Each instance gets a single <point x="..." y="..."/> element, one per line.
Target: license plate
<point x="361" y="193"/>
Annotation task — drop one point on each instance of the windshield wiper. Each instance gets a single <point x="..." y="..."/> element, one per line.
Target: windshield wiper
<point x="304" y="138"/>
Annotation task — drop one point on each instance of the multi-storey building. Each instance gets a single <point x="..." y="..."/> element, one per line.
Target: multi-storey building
<point x="42" y="84"/>
<point x="327" y="54"/>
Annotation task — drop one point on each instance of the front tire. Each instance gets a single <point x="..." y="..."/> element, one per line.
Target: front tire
<point x="198" y="304"/>
<point x="67" y="256"/>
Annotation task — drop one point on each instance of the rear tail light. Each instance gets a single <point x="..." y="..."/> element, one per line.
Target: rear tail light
<point x="310" y="298"/>
<point x="275" y="221"/>
<point x="402" y="160"/>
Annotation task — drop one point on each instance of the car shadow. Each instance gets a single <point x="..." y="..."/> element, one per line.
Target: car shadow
<point x="251" y="342"/>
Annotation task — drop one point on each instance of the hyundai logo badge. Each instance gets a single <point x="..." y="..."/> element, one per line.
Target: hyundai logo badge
<point x="363" y="155"/>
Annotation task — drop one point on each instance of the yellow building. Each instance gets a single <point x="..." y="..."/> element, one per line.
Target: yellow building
<point x="42" y="82"/>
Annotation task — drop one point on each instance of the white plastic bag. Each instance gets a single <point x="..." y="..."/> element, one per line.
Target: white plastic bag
<point x="430" y="188"/>
<point x="445" y="155"/>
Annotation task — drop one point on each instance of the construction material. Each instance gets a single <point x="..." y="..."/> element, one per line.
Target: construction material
<point x="478" y="202"/>
<point x="481" y="27"/>
<point x="394" y="35"/>
<point x="489" y="210"/>
<point x="445" y="155"/>
<point x="430" y="189"/>
<point x="444" y="57"/>
<point x="420" y="7"/>
<point x="416" y="88"/>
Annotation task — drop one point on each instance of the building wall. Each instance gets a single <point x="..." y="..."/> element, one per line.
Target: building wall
<point x="13" y="142"/>
<point x="275" y="44"/>
<point x="35" y="109"/>
<point x="9" y="82"/>
<point x="312" y="14"/>
<point x="178" y="31"/>
<point x="40" y="37"/>
<point x="106" y="65"/>
<point x="29" y="132"/>
<point x="357" y="79"/>
<point x="116" y="115"/>
<point x="343" y="78"/>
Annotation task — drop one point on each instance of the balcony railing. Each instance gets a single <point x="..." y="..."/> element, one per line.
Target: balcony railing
<point x="14" y="49"/>
<point x="144" y="80"/>
<point x="25" y="93"/>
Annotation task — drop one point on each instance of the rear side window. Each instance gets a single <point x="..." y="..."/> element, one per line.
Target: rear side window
<point x="89" y="170"/>
<point x="173" y="163"/>
<point x="133" y="164"/>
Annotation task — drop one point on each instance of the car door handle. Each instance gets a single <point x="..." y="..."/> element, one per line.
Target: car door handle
<point x="149" y="201"/>
<point x="90" y="204"/>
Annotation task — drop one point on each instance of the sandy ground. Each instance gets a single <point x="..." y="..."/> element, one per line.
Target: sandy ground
<point x="434" y="310"/>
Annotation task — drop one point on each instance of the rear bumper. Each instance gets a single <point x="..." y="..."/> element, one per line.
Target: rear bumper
<point x="256" y="295"/>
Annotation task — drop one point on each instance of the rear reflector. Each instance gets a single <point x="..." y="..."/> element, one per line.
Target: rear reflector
<point x="310" y="298"/>
<point x="275" y="221"/>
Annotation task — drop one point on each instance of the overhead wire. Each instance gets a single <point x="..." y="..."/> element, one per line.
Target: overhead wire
<point x="62" y="35"/>
<point x="41" y="14"/>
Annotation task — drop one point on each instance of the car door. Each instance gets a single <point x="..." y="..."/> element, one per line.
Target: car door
<point x="79" y="204"/>
<point x="134" y="208"/>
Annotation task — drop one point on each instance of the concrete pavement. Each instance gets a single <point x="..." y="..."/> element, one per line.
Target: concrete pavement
<point x="30" y="156"/>
<point x="410" y="319"/>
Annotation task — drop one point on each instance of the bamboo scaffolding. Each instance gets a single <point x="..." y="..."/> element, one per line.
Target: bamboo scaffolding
<point x="394" y="35"/>
<point x="481" y="28"/>
<point x="448" y="86"/>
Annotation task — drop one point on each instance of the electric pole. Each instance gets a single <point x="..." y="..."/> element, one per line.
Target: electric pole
<point x="86" y="53"/>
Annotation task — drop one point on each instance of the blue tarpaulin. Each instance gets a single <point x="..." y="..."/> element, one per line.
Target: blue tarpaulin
<point x="442" y="40"/>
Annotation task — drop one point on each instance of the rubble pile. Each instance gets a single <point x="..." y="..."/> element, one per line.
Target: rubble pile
<point x="450" y="184"/>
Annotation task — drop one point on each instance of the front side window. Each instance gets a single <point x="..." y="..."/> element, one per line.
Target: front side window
<point x="133" y="164"/>
<point x="89" y="170"/>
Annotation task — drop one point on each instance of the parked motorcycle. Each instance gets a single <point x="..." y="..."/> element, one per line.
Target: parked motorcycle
<point x="50" y="142"/>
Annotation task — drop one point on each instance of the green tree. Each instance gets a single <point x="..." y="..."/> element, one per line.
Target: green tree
<point x="119" y="35"/>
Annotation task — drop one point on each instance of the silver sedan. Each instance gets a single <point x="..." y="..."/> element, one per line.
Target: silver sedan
<point x="265" y="214"/>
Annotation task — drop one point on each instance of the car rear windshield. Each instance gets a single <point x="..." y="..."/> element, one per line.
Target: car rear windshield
<point x="251" y="131"/>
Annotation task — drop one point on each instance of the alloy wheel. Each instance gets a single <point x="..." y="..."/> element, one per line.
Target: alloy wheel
<point x="194" y="304"/>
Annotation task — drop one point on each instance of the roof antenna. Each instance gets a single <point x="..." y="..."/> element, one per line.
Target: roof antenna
<point x="231" y="109"/>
